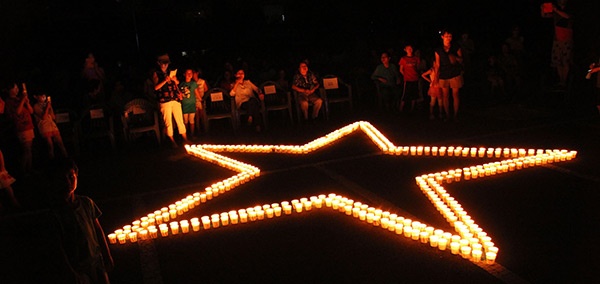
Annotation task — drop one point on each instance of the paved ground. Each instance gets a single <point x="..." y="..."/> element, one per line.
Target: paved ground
<point x="543" y="219"/>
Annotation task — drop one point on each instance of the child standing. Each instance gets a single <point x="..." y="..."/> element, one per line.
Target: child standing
<point x="83" y="241"/>
<point x="19" y="112"/>
<point x="44" y="116"/>
<point x="434" y="92"/>
<point x="189" y="89"/>
<point x="408" y="68"/>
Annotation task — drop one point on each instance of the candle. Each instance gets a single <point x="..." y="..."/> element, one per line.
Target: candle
<point x="465" y="251"/>
<point x="164" y="230"/>
<point x="433" y="240"/>
<point x="277" y="210"/>
<point x="112" y="238"/>
<point x="153" y="232"/>
<point x="143" y="234"/>
<point x="243" y="217"/>
<point x="205" y="222"/>
<point x="490" y="257"/>
<point x="185" y="226"/>
<point x="298" y="207"/>
<point x="174" y="227"/>
<point x="454" y="247"/>
<point x="224" y="217"/>
<point x="122" y="238"/>
<point x="442" y="243"/>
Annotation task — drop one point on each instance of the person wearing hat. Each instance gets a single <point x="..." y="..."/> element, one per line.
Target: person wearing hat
<point x="169" y="97"/>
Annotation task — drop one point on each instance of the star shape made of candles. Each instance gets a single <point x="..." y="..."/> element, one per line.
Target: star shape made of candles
<point x="468" y="239"/>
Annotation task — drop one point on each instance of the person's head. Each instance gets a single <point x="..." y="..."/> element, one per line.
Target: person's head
<point x="10" y="89"/>
<point x="446" y="36"/>
<point x="303" y="68"/>
<point x="40" y="97"/>
<point x="189" y="74"/>
<point x="239" y="74"/>
<point x="385" y="58"/>
<point x="90" y="59"/>
<point x="62" y="175"/>
<point x="163" y="61"/>
<point x="408" y="49"/>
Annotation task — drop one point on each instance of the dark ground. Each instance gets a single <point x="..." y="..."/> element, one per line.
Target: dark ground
<point x="543" y="219"/>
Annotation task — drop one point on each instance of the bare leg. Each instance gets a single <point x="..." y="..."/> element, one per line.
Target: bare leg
<point x="456" y="100"/>
<point x="446" y="101"/>
<point x="50" y="145"/>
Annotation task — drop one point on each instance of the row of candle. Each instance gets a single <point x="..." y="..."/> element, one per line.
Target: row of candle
<point x="480" y="152"/>
<point x="471" y="241"/>
<point x="415" y="230"/>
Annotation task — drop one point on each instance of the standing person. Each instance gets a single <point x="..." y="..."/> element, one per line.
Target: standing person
<point x="244" y="92"/>
<point x="201" y="89"/>
<point x="448" y="59"/>
<point x="595" y="68"/>
<point x="5" y="184"/>
<point x="434" y="92"/>
<point x="305" y="83"/>
<point x="387" y="77"/>
<point x="189" y="89"/>
<point x="169" y="97"/>
<point x="19" y="111"/>
<point x="44" y="116"/>
<point x="408" y="69"/>
<point x="81" y="235"/>
<point x="562" y="44"/>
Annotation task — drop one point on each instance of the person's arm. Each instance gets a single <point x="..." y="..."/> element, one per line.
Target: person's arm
<point x="158" y="85"/>
<point x="425" y="75"/>
<point x="257" y="91"/>
<point x="560" y="12"/>
<point x="436" y="67"/>
<point x="109" y="263"/>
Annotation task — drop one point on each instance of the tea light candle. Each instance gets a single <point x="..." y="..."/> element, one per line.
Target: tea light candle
<point x="243" y="217"/>
<point x="185" y="226"/>
<point x="112" y="238"/>
<point x="490" y="257"/>
<point x="122" y="238"/>
<point x="287" y="209"/>
<point x="164" y="230"/>
<point x="442" y="243"/>
<point x="153" y="232"/>
<point x="205" y="222"/>
<point x="224" y="217"/>
<point x="298" y="207"/>
<point x="143" y="234"/>
<point x="195" y="224"/>
<point x="433" y="240"/>
<point x="215" y="220"/>
<point x="277" y="211"/>
<point x="174" y="227"/>
<point x="465" y="251"/>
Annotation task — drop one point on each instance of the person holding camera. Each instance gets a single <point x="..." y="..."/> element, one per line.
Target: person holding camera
<point x="19" y="111"/>
<point x="244" y="92"/>
<point x="562" y="44"/>
<point x="44" y="116"/>
<point x="595" y="68"/>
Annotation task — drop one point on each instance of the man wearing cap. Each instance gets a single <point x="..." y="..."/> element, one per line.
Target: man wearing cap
<point x="169" y="97"/>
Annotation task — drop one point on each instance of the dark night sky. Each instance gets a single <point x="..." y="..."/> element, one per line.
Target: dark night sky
<point x="47" y="32"/>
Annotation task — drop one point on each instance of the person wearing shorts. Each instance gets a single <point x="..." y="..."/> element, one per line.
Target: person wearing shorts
<point x="448" y="63"/>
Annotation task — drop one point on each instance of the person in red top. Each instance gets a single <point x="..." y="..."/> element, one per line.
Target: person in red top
<point x="408" y="69"/>
<point x="19" y="111"/>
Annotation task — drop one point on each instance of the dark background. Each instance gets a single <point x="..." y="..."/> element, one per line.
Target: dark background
<point x="43" y="38"/>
